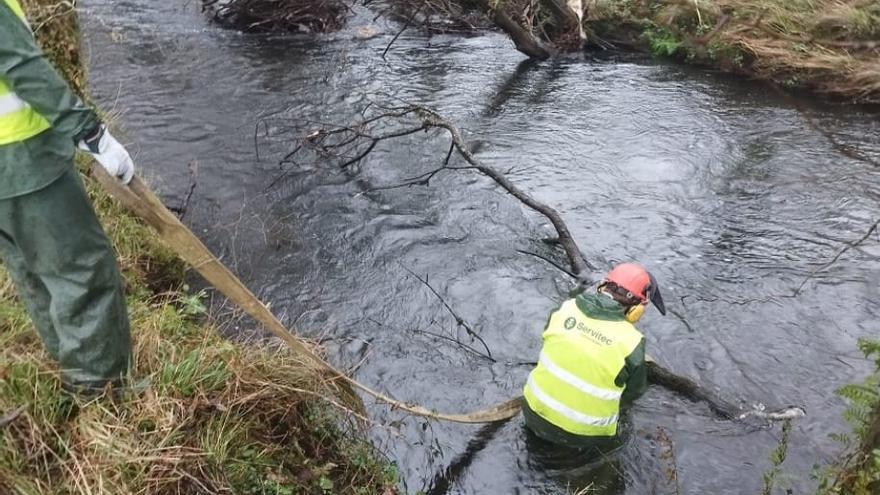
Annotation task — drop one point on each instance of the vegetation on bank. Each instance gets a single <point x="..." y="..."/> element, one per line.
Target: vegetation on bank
<point x="829" y="47"/>
<point x="832" y="47"/>
<point x="203" y="415"/>
<point x="858" y="472"/>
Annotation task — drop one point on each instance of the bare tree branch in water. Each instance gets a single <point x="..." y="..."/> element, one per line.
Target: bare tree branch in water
<point x="844" y="149"/>
<point x="458" y="343"/>
<point x="351" y="144"/>
<point x="458" y="319"/>
<point x="795" y="292"/>
<point x="837" y="256"/>
<point x="407" y="24"/>
<point x="193" y="176"/>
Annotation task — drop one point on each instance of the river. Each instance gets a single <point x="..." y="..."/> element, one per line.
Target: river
<point x="718" y="185"/>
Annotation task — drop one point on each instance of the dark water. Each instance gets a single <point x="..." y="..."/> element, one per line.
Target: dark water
<point x="719" y="186"/>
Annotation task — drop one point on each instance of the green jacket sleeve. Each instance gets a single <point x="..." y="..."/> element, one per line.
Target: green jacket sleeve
<point x="24" y="68"/>
<point x="633" y="376"/>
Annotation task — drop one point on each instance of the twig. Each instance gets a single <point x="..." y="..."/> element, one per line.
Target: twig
<point x="682" y="319"/>
<point x="797" y="290"/>
<point x="548" y="260"/>
<point x="458" y="343"/>
<point x="845" y="248"/>
<point x="458" y="319"/>
<point x="256" y="140"/>
<point x="193" y="180"/>
<point x="406" y="25"/>
<point x="843" y="149"/>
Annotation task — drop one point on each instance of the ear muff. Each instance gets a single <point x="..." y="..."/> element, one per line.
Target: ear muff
<point x="634" y="313"/>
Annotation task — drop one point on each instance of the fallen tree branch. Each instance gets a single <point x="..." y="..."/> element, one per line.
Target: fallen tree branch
<point x="576" y="259"/>
<point x="428" y="119"/>
<point x="352" y="137"/>
<point x="524" y="41"/>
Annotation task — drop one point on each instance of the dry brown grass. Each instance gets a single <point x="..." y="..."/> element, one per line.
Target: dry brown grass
<point x="832" y="47"/>
<point x="203" y="415"/>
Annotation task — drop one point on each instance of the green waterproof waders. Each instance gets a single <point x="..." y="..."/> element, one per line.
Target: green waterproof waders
<point x="65" y="271"/>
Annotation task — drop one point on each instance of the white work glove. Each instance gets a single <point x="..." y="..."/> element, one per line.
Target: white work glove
<point x="109" y="153"/>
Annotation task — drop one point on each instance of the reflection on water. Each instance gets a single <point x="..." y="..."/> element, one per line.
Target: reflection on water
<point x="720" y="187"/>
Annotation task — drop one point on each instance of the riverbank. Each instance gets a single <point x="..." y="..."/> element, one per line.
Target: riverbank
<point x="204" y="416"/>
<point x="831" y="48"/>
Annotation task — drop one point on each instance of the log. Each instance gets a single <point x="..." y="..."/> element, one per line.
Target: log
<point x="522" y="39"/>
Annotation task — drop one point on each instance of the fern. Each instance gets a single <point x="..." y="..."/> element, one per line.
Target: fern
<point x="859" y="471"/>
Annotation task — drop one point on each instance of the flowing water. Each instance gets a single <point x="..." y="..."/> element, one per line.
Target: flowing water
<point x="720" y="186"/>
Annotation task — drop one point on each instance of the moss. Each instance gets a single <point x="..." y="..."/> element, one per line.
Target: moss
<point x="202" y="415"/>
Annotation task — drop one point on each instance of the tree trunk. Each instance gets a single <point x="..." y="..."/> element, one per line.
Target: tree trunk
<point x="522" y="39"/>
<point x="566" y="18"/>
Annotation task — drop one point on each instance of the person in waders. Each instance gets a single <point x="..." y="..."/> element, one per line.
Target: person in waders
<point x="51" y="243"/>
<point x="592" y="364"/>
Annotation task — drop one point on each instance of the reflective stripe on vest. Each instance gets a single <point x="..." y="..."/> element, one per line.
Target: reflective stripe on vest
<point x="566" y="411"/>
<point x="573" y="385"/>
<point x="18" y="121"/>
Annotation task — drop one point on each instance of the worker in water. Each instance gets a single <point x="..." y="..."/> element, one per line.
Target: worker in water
<point x="51" y="243"/>
<point x="592" y="362"/>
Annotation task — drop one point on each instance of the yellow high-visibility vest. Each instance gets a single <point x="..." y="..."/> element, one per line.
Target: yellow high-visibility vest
<point x="573" y="385"/>
<point x="18" y="121"/>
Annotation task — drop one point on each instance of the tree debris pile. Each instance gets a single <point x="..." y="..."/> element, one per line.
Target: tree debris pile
<point x="278" y="15"/>
<point x="441" y="16"/>
<point x="546" y="25"/>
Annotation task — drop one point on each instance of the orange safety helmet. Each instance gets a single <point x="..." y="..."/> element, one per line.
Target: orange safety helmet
<point x="638" y="283"/>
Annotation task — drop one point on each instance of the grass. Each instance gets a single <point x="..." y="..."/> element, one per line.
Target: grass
<point x="203" y="416"/>
<point x="832" y="47"/>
